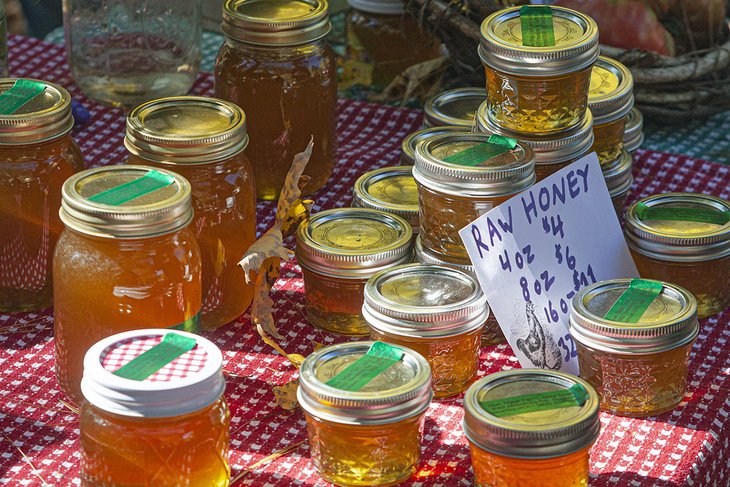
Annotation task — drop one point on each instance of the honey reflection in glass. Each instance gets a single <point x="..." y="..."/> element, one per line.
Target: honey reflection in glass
<point x="335" y="304"/>
<point x="609" y="140"/>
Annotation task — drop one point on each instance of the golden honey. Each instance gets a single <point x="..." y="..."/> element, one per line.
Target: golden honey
<point x="390" y="189"/>
<point x="457" y="107"/>
<point x="619" y="178"/>
<point x="633" y="132"/>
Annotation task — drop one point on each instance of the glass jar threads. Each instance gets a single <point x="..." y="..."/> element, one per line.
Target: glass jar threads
<point x="154" y="412"/>
<point x="633" y="132"/>
<point x="684" y="238"/>
<point x="364" y="428"/>
<point x="338" y="251"/>
<point x="126" y="260"/>
<point x="456" y="107"/>
<point x="37" y="154"/>
<point x="619" y="178"/>
<point x="389" y="189"/>
<point x="531" y="428"/>
<point x="538" y="64"/>
<point x="633" y="339"/>
<point x="408" y="147"/>
<point x="203" y="139"/>
<point x="277" y="66"/>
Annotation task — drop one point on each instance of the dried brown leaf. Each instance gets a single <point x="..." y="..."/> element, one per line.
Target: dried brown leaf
<point x="286" y="395"/>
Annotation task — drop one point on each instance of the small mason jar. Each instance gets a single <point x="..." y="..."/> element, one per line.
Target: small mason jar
<point x="390" y="189"/>
<point x="538" y="89"/>
<point x="639" y="368"/>
<point x="633" y="132"/>
<point x="456" y="107"/>
<point x="408" y="147"/>
<point x="531" y="428"/>
<point x="438" y="311"/>
<point x="154" y="423"/>
<point x="338" y="251"/>
<point x="370" y="435"/>
<point x="676" y="245"/>
<point x="619" y="179"/>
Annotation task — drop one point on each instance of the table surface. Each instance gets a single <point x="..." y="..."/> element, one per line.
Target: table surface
<point x="687" y="446"/>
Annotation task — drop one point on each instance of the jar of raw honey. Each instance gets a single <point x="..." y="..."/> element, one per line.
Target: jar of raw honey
<point x="408" y="147"/>
<point x="538" y="63"/>
<point x="364" y="403"/>
<point x="277" y="66"/>
<point x="126" y="260"/>
<point x="154" y="411"/>
<point x="338" y="251"/>
<point x="203" y="140"/>
<point x="460" y="177"/>
<point x="456" y="107"/>
<point x="531" y="428"/>
<point x="37" y="154"/>
<point x="633" y="339"/>
<point x="618" y="177"/>
<point x="684" y="238"/>
<point x="633" y="132"/>
<point x="389" y="189"/>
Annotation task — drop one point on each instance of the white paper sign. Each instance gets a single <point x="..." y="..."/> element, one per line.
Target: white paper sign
<point x="536" y="250"/>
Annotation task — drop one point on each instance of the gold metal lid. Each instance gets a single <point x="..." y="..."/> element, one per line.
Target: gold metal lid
<point x="275" y="22"/>
<point x="633" y="132"/>
<point x="610" y="94"/>
<point x="390" y="189"/>
<point x="617" y="174"/>
<point x="408" y="147"/>
<point x="425" y="255"/>
<point x="454" y="107"/>
<point x="46" y="116"/>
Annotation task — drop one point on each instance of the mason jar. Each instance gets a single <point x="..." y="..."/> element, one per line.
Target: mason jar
<point x="389" y="189"/>
<point x="408" y="146"/>
<point x="457" y="107"/>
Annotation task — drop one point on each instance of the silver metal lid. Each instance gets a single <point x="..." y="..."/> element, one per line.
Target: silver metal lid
<point x="400" y="392"/>
<point x="633" y="132"/>
<point x="618" y="175"/>
<point x="669" y="322"/>
<point x="383" y="7"/>
<point x="454" y="107"/>
<point x="44" y="117"/>
<point x="390" y="189"/>
<point x="425" y="255"/>
<point x="537" y="434"/>
<point x="408" y="147"/>
<point x="610" y="95"/>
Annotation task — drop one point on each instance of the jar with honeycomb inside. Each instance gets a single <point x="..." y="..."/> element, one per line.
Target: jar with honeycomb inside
<point x="203" y="140"/>
<point x="37" y="154"/>
<point x="364" y="403"/>
<point x="531" y="428"/>
<point x="684" y="238"/>
<point x="460" y="177"/>
<point x="154" y="411"/>
<point x="456" y="107"/>
<point x="277" y="66"/>
<point x="633" y="132"/>
<point x="338" y="251"/>
<point x="408" y="147"/>
<point x="390" y="189"/>
<point x="619" y="179"/>
<point x="633" y="339"/>
<point x="126" y="260"/>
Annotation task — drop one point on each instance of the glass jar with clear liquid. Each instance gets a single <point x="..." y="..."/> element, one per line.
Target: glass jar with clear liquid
<point x="126" y="52"/>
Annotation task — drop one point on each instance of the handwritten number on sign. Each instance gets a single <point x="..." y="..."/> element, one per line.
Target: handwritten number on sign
<point x="569" y="259"/>
<point x="567" y="344"/>
<point x="553" y="225"/>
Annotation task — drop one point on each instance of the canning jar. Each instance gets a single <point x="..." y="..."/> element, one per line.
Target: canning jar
<point x="684" y="238"/>
<point x="633" y="339"/>
<point x="203" y="140"/>
<point x="37" y="154"/>
<point x="338" y="251"/>
<point x="154" y="411"/>
<point x="633" y="132"/>
<point x="618" y="177"/>
<point x="408" y="147"/>
<point x="456" y="107"/>
<point x="389" y="189"/>
<point x="531" y="428"/>
<point x="277" y="66"/>
<point x="126" y="260"/>
<point x="364" y="404"/>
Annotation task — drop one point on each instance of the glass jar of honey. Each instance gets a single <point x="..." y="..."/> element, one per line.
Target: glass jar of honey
<point x="154" y="411"/>
<point x="460" y="177"/>
<point x="364" y="404"/>
<point x="531" y="428"/>
<point x="619" y="179"/>
<point x="390" y="189"/>
<point x="203" y="139"/>
<point x="633" y="339"/>
<point x="408" y="147"/>
<point x="538" y="64"/>
<point x="37" y="154"/>
<point x="277" y="66"/>
<point x="456" y="107"/>
<point x="633" y="131"/>
<point x="338" y="251"/>
<point x="126" y="260"/>
<point x="684" y="238"/>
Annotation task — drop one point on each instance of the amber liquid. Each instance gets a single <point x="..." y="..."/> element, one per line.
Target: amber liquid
<point x="289" y="94"/>
<point x="104" y="286"/>
<point x="619" y="202"/>
<point x="189" y="450"/>
<point x="492" y="334"/>
<point x="609" y="140"/>
<point x="335" y="304"/>
<point x="544" y="170"/>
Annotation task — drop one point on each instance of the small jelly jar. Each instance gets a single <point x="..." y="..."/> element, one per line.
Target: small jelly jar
<point x="538" y="89"/>
<point x="531" y="428"/>
<point x="338" y="251"/>
<point x="371" y="435"/>
<point x="619" y="179"/>
<point x="438" y="311"/>
<point x="456" y="107"/>
<point x="678" y="246"/>
<point x="390" y="189"/>
<point x="408" y="147"/>
<point x="146" y="422"/>
<point x="633" y="132"/>
<point x="639" y="368"/>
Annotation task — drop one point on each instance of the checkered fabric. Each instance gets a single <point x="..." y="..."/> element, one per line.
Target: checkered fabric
<point x="687" y="446"/>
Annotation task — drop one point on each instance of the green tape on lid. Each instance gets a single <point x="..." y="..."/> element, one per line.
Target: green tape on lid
<point x="171" y="347"/>
<point x="634" y="301"/>
<point x="576" y="395"/>
<point x="22" y="91"/>
<point x="152" y="181"/>
<point x="380" y="357"/>
<point x="494" y="146"/>
<point x="537" y="26"/>
<point x="701" y="215"/>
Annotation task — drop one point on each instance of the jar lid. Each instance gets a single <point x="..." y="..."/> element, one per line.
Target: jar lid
<point x="126" y="202"/>
<point x="575" y="35"/>
<point x="353" y="242"/>
<point x="275" y="22"/>
<point x="384" y="7"/>
<point x="390" y="189"/>
<point x="153" y="373"/>
<point x="525" y="430"/>
<point x="669" y="321"/>
<point x="617" y="174"/>
<point x="186" y="130"/>
<point x="454" y="107"/>
<point x="610" y="94"/>
<point x="39" y="111"/>
<point x="425" y="255"/>
<point x="401" y="391"/>
<point x="408" y="147"/>
<point x="506" y="173"/>
<point x="633" y="132"/>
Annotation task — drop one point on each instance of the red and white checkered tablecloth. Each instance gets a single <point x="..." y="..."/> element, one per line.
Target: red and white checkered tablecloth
<point x="39" y="434"/>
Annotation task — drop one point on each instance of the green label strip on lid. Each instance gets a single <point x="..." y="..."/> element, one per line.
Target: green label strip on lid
<point x="22" y="91"/>
<point x="380" y="357"/>
<point x="537" y="26"/>
<point x="576" y="395"/>
<point x="171" y="347"/>
<point x="702" y="215"/>
<point x="152" y="181"/>
<point x="494" y="146"/>
<point x="634" y="301"/>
